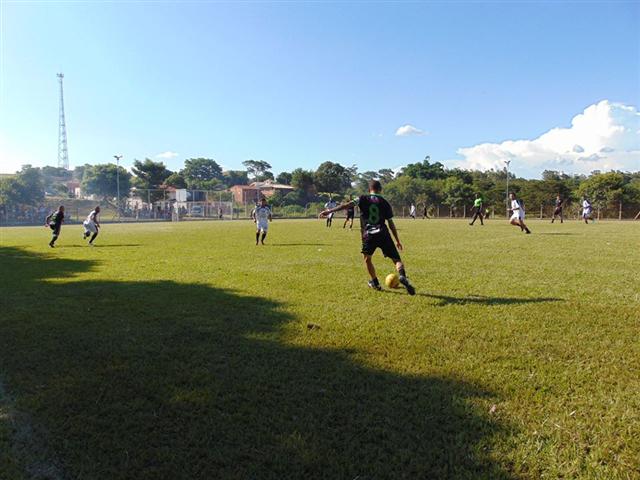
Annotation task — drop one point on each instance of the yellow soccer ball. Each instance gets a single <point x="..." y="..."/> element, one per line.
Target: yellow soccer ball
<point x="392" y="280"/>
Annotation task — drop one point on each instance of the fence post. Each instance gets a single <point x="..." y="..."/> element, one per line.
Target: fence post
<point x="541" y="207"/>
<point x="464" y="211"/>
<point x="620" y="211"/>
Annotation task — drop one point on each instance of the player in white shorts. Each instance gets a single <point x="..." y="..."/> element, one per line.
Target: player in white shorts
<point x="517" y="215"/>
<point x="91" y="225"/>
<point x="586" y="210"/>
<point x="329" y="205"/>
<point x="261" y="217"/>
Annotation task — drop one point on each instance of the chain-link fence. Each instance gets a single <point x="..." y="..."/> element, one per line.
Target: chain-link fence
<point x="184" y="205"/>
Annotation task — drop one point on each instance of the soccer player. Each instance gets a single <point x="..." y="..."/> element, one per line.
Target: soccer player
<point x="557" y="212"/>
<point x="351" y="213"/>
<point x="478" y="208"/>
<point x="517" y="215"/>
<point x="375" y="214"/>
<point x="586" y="210"/>
<point x="261" y="217"/>
<point x="91" y="225"/>
<point x="329" y="205"/>
<point x="412" y="211"/>
<point x="54" y="222"/>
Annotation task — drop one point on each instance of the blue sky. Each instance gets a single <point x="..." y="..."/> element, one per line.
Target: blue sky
<point x="297" y="83"/>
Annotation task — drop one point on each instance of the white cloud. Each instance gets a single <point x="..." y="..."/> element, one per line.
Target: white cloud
<point x="409" y="130"/>
<point x="167" y="155"/>
<point x="604" y="136"/>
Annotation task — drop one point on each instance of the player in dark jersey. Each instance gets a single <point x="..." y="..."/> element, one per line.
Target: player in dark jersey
<point x="54" y="222"/>
<point x="558" y="210"/>
<point x="351" y="213"/>
<point x="375" y="214"/>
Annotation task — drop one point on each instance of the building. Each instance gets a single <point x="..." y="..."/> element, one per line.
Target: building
<point x="249" y="193"/>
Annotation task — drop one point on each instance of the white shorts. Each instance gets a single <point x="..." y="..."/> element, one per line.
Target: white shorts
<point x="262" y="225"/>
<point x="517" y="216"/>
<point x="586" y="213"/>
<point x="90" y="227"/>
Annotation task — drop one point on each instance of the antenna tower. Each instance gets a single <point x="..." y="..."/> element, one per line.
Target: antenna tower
<point x="63" y="153"/>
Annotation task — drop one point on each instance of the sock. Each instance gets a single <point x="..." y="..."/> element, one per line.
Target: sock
<point x="375" y="281"/>
<point x="264" y="235"/>
<point x="257" y="237"/>
<point x="93" y="237"/>
<point x="53" y="239"/>
<point x="402" y="272"/>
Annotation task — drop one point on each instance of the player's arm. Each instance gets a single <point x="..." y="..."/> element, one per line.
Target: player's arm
<point x="253" y="215"/>
<point x="270" y="216"/>
<point x="394" y="232"/>
<point x="46" y="220"/>
<point x="344" y="206"/>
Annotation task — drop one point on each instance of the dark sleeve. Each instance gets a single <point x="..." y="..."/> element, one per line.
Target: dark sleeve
<point x="388" y="210"/>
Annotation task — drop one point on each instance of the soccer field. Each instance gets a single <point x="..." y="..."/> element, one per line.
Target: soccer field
<point x="183" y="351"/>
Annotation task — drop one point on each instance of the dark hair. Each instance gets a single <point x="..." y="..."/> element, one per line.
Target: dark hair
<point x="375" y="185"/>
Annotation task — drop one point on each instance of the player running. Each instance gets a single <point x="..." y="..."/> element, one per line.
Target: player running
<point x="329" y="205"/>
<point x="478" y="208"/>
<point x="374" y="212"/>
<point x="412" y="211"/>
<point x="91" y="226"/>
<point x="351" y="213"/>
<point x="517" y="215"/>
<point x="557" y="212"/>
<point x="261" y="217"/>
<point x="587" y="209"/>
<point x="54" y="222"/>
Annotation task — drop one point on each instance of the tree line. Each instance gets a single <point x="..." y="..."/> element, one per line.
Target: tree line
<point x="423" y="183"/>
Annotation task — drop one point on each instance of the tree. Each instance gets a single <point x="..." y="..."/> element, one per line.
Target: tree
<point x="425" y="170"/>
<point x="456" y="192"/>
<point x="603" y="189"/>
<point x="386" y="175"/>
<point x="302" y="180"/>
<point x="235" y="177"/>
<point x="258" y="169"/>
<point x="284" y="178"/>
<point x="175" y="180"/>
<point x="332" y="177"/>
<point x="149" y="174"/>
<point x="196" y="171"/>
<point x="101" y="180"/>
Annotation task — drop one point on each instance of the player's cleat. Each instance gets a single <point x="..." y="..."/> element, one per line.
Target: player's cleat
<point x="405" y="282"/>
<point x="51" y="245"/>
<point x="374" y="285"/>
<point x="91" y="244"/>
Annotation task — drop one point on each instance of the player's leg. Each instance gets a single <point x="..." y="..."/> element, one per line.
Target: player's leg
<point x="93" y="237"/>
<point x="257" y="234"/>
<point x="351" y="224"/>
<point x="371" y="269"/>
<point x="523" y="227"/>
<point x="481" y="217"/>
<point x="390" y="251"/>
<point x="264" y="235"/>
<point x="561" y="217"/>
<point x="54" y="236"/>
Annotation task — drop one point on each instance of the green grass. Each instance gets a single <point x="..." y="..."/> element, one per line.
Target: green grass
<point x="182" y="351"/>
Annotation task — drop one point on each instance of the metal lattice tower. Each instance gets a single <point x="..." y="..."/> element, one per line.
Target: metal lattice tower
<point x="63" y="153"/>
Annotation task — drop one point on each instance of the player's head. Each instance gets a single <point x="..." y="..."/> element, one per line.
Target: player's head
<point x="98" y="209"/>
<point x="61" y="208"/>
<point x="477" y="195"/>
<point x="512" y="195"/>
<point x="375" y="186"/>
<point x="263" y="201"/>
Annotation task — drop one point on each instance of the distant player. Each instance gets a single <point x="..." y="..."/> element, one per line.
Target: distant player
<point x="261" y="217"/>
<point x="517" y="215"/>
<point x="425" y="213"/>
<point x="329" y="205"/>
<point x="412" y="211"/>
<point x="54" y="222"/>
<point x="374" y="212"/>
<point x="557" y="212"/>
<point x="587" y="210"/>
<point x="478" y="209"/>
<point x="91" y="226"/>
<point x="351" y="213"/>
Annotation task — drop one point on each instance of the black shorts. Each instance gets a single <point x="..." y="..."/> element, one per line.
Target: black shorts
<point x="557" y="211"/>
<point x="381" y="240"/>
<point x="55" y="228"/>
<point x="350" y="214"/>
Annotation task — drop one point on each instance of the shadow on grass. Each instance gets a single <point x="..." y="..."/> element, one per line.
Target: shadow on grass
<point x="557" y="233"/>
<point x="100" y="245"/>
<point x="478" y="299"/>
<point x="161" y="380"/>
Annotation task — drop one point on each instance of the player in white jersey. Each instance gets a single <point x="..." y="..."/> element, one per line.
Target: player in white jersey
<point x="261" y="217"/>
<point x="91" y="225"/>
<point x="587" y="209"/>
<point x="517" y="215"/>
<point x="330" y="204"/>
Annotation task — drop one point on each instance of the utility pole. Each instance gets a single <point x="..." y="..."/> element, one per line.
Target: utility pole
<point x="63" y="153"/>
<point x="118" y="157"/>
<point x="507" y="162"/>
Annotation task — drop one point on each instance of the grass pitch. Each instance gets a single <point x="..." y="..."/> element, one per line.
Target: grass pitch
<point x="183" y="351"/>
